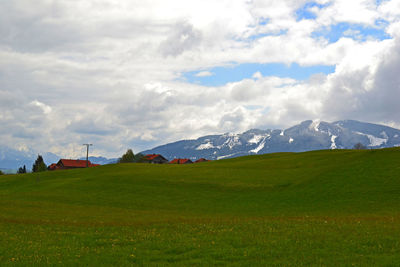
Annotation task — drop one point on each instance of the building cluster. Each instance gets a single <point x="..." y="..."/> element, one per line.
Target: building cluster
<point x="65" y="164"/>
<point x="159" y="159"/>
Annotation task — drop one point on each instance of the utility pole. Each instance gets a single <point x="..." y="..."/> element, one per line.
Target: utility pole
<point x="87" y="153"/>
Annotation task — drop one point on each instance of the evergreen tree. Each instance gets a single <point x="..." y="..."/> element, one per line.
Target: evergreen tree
<point x="22" y="170"/>
<point x="139" y="157"/>
<point x="1" y="173"/>
<point x="128" y="157"/>
<point x="39" y="165"/>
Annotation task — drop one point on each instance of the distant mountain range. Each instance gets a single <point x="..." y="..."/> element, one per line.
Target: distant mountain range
<point x="11" y="159"/>
<point x="308" y="135"/>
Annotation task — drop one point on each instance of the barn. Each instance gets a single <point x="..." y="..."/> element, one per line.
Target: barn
<point x="181" y="161"/>
<point x="155" y="159"/>
<point x="65" y="164"/>
<point x="201" y="160"/>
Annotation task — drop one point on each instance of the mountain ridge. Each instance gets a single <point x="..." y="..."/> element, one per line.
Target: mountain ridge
<point x="306" y="136"/>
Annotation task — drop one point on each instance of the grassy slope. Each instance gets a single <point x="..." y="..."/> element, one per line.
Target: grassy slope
<point x="322" y="207"/>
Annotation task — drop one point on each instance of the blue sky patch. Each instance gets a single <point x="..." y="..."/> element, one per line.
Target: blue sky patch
<point x="305" y="12"/>
<point x="354" y="31"/>
<point x="235" y="73"/>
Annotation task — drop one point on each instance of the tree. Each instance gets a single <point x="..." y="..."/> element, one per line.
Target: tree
<point x="39" y="165"/>
<point x="359" y="146"/>
<point x="139" y="157"/>
<point x="1" y="173"/>
<point x="22" y="170"/>
<point x="128" y="157"/>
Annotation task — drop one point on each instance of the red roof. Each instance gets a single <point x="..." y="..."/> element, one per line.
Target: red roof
<point x="201" y="160"/>
<point x="75" y="163"/>
<point x="53" y="167"/>
<point x="151" y="156"/>
<point x="181" y="161"/>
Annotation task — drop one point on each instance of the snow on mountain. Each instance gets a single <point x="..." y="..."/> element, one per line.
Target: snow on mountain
<point x="373" y="140"/>
<point x="207" y="145"/>
<point x="308" y="135"/>
<point x="232" y="140"/>
<point x="259" y="147"/>
<point x="256" y="139"/>
<point x="314" y="125"/>
<point x="333" y="144"/>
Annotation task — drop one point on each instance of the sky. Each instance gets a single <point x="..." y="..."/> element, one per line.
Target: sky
<point x="136" y="74"/>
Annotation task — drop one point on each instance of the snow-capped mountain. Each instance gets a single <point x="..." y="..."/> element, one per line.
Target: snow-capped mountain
<point x="308" y="135"/>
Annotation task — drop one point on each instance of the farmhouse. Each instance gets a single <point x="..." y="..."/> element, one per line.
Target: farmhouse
<point x="181" y="161"/>
<point x="65" y="164"/>
<point x="52" y="167"/>
<point x="201" y="160"/>
<point x="155" y="159"/>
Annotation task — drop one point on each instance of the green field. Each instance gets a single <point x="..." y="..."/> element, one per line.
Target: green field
<point x="321" y="208"/>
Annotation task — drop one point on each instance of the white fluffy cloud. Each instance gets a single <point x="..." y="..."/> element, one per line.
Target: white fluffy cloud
<point x="111" y="72"/>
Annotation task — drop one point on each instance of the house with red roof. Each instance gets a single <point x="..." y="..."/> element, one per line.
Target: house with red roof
<point x="65" y="164"/>
<point x="155" y="159"/>
<point x="52" y="167"/>
<point x="181" y="161"/>
<point x="201" y="160"/>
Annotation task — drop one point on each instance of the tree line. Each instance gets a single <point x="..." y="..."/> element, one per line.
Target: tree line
<point x="129" y="157"/>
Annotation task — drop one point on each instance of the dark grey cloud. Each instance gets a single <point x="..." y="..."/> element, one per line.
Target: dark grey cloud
<point x="369" y="94"/>
<point x="385" y="97"/>
<point x="22" y="119"/>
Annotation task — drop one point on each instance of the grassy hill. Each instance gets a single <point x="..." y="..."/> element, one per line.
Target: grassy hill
<point x="316" y="208"/>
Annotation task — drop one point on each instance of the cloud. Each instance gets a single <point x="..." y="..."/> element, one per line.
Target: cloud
<point x="45" y="108"/>
<point x="231" y="121"/>
<point x="182" y="37"/>
<point x="204" y="74"/>
<point x="92" y="126"/>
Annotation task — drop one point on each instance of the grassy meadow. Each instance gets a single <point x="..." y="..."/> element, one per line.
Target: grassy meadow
<point x="320" y="208"/>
